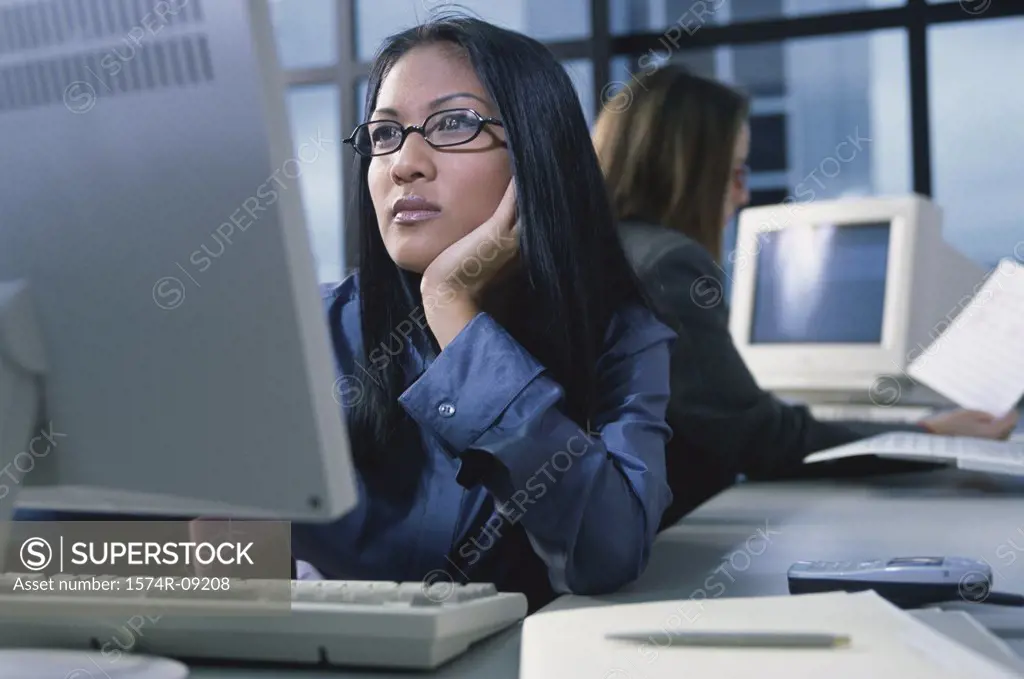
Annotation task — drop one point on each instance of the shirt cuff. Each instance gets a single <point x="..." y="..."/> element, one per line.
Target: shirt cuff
<point x="471" y="383"/>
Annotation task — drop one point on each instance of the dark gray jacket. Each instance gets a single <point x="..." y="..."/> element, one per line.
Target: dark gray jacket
<point x="724" y="424"/>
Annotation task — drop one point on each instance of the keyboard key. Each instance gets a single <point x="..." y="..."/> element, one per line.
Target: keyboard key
<point x="475" y="590"/>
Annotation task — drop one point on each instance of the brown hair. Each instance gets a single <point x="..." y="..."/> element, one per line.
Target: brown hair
<point x="667" y="156"/>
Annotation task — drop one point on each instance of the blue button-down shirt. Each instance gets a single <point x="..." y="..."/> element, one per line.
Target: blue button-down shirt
<point x="576" y="511"/>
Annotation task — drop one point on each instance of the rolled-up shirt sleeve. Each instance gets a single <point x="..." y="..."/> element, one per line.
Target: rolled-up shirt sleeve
<point x="590" y="498"/>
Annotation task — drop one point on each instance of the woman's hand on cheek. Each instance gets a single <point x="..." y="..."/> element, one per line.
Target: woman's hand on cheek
<point x="470" y="263"/>
<point x="453" y="283"/>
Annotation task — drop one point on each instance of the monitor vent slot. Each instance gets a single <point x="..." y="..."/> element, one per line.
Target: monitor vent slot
<point x="51" y="23"/>
<point x="78" y="81"/>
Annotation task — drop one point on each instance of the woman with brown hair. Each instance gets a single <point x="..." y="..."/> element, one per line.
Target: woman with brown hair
<point x="675" y="164"/>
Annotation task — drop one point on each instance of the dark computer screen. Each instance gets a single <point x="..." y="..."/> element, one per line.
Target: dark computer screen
<point x="821" y="284"/>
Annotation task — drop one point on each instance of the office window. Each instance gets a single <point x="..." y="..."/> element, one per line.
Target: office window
<point x="305" y="32"/>
<point x="679" y="18"/>
<point x="829" y="116"/>
<point x="845" y="101"/>
<point x="977" y="142"/>
<point x="545" y="20"/>
<point x="314" y="116"/>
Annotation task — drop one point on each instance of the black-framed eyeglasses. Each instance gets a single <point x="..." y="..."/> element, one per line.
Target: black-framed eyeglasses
<point x="451" y="127"/>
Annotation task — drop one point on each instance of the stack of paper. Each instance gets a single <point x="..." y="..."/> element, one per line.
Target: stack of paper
<point x="978" y="362"/>
<point x="967" y="452"/>
<point x="886" y="642"/>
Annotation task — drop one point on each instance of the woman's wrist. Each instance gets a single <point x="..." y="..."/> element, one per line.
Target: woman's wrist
<point x="448" y="314"/>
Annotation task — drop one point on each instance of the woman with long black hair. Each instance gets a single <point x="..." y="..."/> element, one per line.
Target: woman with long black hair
<point x="504" y="381"/>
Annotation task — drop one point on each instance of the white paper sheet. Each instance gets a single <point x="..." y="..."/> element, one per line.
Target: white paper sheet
<point x="978" y="362"/>
<point x="886" y="643"/>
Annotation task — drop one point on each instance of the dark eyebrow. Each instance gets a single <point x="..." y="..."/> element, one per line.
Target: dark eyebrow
<point x="436" y="102"/>
<point x="458" y="95"/>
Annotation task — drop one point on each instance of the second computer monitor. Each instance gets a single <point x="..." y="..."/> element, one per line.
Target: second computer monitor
<point x="829" y="296"/>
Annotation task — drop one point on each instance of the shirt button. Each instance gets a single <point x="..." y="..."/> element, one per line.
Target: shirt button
<point x="446" y="409"/>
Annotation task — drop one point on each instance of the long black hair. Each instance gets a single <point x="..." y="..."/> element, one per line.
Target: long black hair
<point x="573" y="273"/>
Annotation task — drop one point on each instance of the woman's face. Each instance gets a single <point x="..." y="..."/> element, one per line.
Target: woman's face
<point x="427" y="198"/>
<point x="737" y="194"/>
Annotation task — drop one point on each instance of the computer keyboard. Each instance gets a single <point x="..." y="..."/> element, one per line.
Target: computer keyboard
<point x="870" y="413"/>
<point x="330" y="623"/>
<point x="999" y="457"/>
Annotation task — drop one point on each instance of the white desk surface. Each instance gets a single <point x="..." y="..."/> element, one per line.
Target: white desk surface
<point x="940" y="513"/>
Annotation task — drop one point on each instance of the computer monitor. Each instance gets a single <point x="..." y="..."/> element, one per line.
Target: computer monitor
<point x="829" y="296"/>
<point x="161" y="321"/>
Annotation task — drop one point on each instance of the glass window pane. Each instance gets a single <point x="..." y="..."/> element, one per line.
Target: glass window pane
<point x="829" y="116"/>
<point x="680" y="18"/>
<point x="546" y="20"/>
<point x="976" y="140"/>
<point x="618" y="93"/>
<point x="581" y="71"/>
<point x="306" y="31"/>
<point x="361" y="98"/>
<point x="314" y="113"/>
